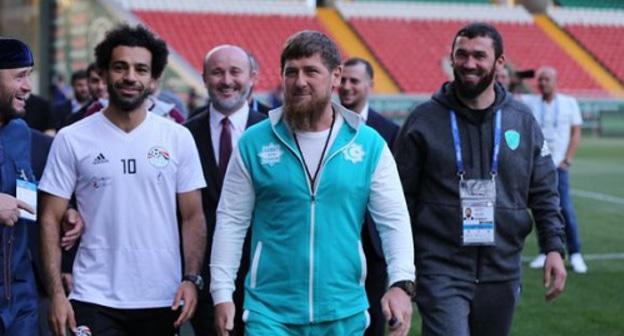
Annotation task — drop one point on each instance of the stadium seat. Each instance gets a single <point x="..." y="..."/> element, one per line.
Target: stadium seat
<point x="414" y="51"/>
<point x="192" y="34"/>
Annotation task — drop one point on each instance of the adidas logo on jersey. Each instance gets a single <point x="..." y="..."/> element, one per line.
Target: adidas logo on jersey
<point x="100" y="159"/>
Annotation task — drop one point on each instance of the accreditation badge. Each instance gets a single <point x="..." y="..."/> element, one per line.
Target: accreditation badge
<point x="478" y="199"/>
<point x="27" y="192"/>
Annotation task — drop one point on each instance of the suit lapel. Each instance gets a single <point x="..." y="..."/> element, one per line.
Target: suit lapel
<point x="372" y="119"/>
<point x="253" y="118"/>
<point x="211" y="170"/>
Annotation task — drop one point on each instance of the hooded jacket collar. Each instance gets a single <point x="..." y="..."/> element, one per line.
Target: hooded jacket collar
<point x="447" y="97"/>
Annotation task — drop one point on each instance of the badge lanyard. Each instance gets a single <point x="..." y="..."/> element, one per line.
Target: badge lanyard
<point x="318" y="168"/>
<point x="457" y="144"/>
<point x="477" y="196"/>
<point x="543" y="113"/>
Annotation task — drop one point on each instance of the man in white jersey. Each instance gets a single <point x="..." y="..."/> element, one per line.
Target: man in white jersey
<point x="127" y="168"/>
<point x="560" y="118"/>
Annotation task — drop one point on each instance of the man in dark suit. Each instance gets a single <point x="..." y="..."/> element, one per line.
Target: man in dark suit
<point x="99" y="97"/>
<point x="228" y="76"/>
<point x="61" y="111"/>
<point x="255" y="104"/>
<point x="355" y="86"/>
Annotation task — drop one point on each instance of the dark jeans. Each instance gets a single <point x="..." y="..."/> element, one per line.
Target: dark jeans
<point x="461" y="308"/>
<point x="567" y="208"/>
<point x="106" y="321"/>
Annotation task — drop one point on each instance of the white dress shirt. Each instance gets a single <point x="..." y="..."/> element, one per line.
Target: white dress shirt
<point x="238" y="122"/>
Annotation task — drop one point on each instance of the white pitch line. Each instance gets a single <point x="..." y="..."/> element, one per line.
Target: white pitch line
<point x="604" y="256"/>
<point x="598" y="196"/>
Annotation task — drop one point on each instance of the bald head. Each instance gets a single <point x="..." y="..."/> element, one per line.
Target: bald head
<point x="228" y="51"/>
<point x="228" y="76"/>
<point x="547" y="82"/>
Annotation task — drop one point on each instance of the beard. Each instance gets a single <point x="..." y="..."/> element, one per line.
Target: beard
<point x="7" y="112"/>
<point x="301" y="115"/>
<point x="124" y="103"/>
<point x="229" y="105"/>
<point x="469" y="90"/>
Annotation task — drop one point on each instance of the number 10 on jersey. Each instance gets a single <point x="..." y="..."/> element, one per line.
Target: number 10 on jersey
<point x="129" y="166"/>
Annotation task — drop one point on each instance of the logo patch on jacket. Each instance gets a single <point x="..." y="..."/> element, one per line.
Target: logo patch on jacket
<point x="513" y="139"/>
<point x="354" y="153"/>
<point x="545" y="149"/>
<point x="271" y="154"/>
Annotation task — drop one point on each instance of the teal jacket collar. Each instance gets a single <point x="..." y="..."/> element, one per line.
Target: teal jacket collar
<point x="345" y="135"/>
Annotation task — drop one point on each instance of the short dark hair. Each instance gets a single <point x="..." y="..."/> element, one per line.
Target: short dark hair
<point x="357" y="60"/>
<point x="92" y="68"/>
<point x="78" y="75"/>
<point x="139" y="36"/>
<point x="308" y="43"/>
<point x="480" y="29"/>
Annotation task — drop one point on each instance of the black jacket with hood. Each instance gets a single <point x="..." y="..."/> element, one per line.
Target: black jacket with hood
<point x="526" y="179"/>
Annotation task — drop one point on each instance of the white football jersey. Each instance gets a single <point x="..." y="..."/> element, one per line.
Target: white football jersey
<point x="126" y="186"/>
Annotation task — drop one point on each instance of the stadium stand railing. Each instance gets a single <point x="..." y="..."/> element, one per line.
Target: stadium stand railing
<point x="605" y="4"/>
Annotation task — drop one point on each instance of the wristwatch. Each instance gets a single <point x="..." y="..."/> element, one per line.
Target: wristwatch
<point x="409" y="287"/>
<point x="195" y="279"/>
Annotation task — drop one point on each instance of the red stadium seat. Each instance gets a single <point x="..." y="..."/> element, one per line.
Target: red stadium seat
<point x="413" y="51"/>
<point x="193" y="34"/>
<point x="605" y="42"/>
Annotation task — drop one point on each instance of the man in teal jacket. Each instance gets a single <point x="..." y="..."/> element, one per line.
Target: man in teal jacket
<point x="303" y="180"/>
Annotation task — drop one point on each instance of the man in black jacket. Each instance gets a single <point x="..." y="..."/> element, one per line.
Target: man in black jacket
<point x="473" y="146"/>
<point x="228" y="76"/>
<point x="356" y="85"/>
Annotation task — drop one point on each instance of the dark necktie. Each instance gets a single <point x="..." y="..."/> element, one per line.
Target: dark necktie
<point x="225" y="147"/>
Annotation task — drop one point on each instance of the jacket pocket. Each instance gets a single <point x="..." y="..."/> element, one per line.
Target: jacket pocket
<point x="254" y="265"/>
<point x="362" y="264"/>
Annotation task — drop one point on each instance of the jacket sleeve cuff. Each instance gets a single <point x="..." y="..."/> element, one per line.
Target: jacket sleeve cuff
<point x="561" y="251"/>
<point x="402" y="276"/>
<point x="221" y="296"/>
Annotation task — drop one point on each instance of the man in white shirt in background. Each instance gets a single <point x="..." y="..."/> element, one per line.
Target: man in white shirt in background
<point x="560" y="118"/>
<point x="131" y="171"/>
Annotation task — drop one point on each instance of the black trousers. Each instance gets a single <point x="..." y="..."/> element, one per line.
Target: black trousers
<point x="376" y="286"/>
<point x="106" y="321"/>
<point x="461" y="308"/>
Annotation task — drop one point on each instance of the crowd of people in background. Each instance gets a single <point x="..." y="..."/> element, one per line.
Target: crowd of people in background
<point x="307" y="216"/>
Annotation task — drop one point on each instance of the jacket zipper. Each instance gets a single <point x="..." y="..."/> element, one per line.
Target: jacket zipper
<point x="478" y="261"/>
<point x="483" y="165"/>
<point x="312" y="189"/>
<point x="6" y="246"/>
